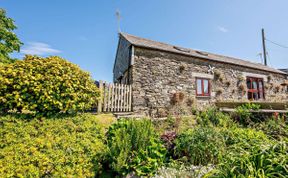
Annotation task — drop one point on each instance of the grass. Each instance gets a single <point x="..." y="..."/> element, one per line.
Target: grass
<point x="105" y="120"/>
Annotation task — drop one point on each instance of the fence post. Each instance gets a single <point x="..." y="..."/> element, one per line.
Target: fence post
<point x="118" y="96"/>
<point x="125" y="98"/>
<point x="99" y="109"/>
<point x="113" y="98"/>
<point x="130" y="98"/>
<point x="109" y="98"/>
<point x="104" y="96"/>
<point x="121" y="95"/>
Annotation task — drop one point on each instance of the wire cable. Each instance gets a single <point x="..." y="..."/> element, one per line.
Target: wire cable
<point x="280" y="45"/>
<point x="269" y="61"/>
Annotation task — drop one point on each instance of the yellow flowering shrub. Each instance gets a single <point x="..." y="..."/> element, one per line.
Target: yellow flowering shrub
<point x="59" y="147"/>
<point x="46" y="86"/>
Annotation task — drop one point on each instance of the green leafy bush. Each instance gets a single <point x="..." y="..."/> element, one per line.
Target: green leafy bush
<point x="274" y="128"/>
<point x="243" y="138"/>
<point x="200" y="146"/>
<point x="269" y="160"/>
<point x="45" y="86"/>
<point x="213" y="117"/>
<point x="60" y="147"/>
<point x="135" y="147"/>
<point x="244" y="115"/>
<point x="245" y="154"/>
<point x="9" y="42"/>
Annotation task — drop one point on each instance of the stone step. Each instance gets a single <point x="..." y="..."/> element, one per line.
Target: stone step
<point x="127" y="115"/>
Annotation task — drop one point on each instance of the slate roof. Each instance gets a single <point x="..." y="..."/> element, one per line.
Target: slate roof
<point x="146" y="43"/>
<point x="284" y="70"/>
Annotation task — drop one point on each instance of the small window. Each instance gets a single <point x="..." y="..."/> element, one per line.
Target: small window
<point x="202" y="87"/>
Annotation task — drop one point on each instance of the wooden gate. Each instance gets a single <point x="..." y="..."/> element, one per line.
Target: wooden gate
<point x="115" y="97"/>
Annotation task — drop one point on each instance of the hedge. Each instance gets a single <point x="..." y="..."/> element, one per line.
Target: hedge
<point x="46" y="86"/>
<point x="59" y="147"/>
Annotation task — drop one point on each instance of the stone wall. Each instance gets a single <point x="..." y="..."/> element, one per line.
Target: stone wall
<point x="157" y="76"/>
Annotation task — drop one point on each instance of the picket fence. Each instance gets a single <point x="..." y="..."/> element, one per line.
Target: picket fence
<point x="114" y="97"/>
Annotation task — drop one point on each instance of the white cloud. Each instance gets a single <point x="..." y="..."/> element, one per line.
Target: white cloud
<point x="38" y="48"/>
<point x="222" y="29"/>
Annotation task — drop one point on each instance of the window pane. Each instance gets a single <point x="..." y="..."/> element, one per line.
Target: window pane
<point x="206" y="86"/>
<point x="255" y="96"/>
<point x="254" y="84"/>
<point x="199" y="87"/>
<point x="250" y="96"/>
<point x="260" y="85"/>
<point x="261" y="94"/>
<point x="249" y="84"/>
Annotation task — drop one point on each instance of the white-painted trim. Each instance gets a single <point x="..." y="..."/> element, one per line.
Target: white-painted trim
<point x="202" y="75"/>
<point x="132" y="55"/>
<point x="247" y="74"/>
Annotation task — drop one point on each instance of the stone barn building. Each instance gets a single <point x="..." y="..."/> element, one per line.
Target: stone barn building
<point x="161" y="73"/>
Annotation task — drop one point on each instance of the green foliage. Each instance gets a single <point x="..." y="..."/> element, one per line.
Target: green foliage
<point x="46" y="86"/>
<point x="177" y="124"/>
<point x="243" y="138"/>
<point x="134" y="146"/>
<point x="187" y="122"/>
<point x="213" y="117"/>
<point x="234" y="150"/>
<point x="200" y="146"/>
<point x="9" y="42"/>
<point x="261" y="161"/>
<point x="60" y="147"/>
<point x="274" y="128"/>
<point x="244" y="115"/>
<point x="275" y="105"/>
<point x="248" y="154"/>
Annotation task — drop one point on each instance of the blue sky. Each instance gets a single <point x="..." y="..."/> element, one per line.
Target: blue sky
<point x="85" y="32"/>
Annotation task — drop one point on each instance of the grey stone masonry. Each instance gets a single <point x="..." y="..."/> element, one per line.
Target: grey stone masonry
<point x="161" y="73"/>
<point x="157" y="75"/>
